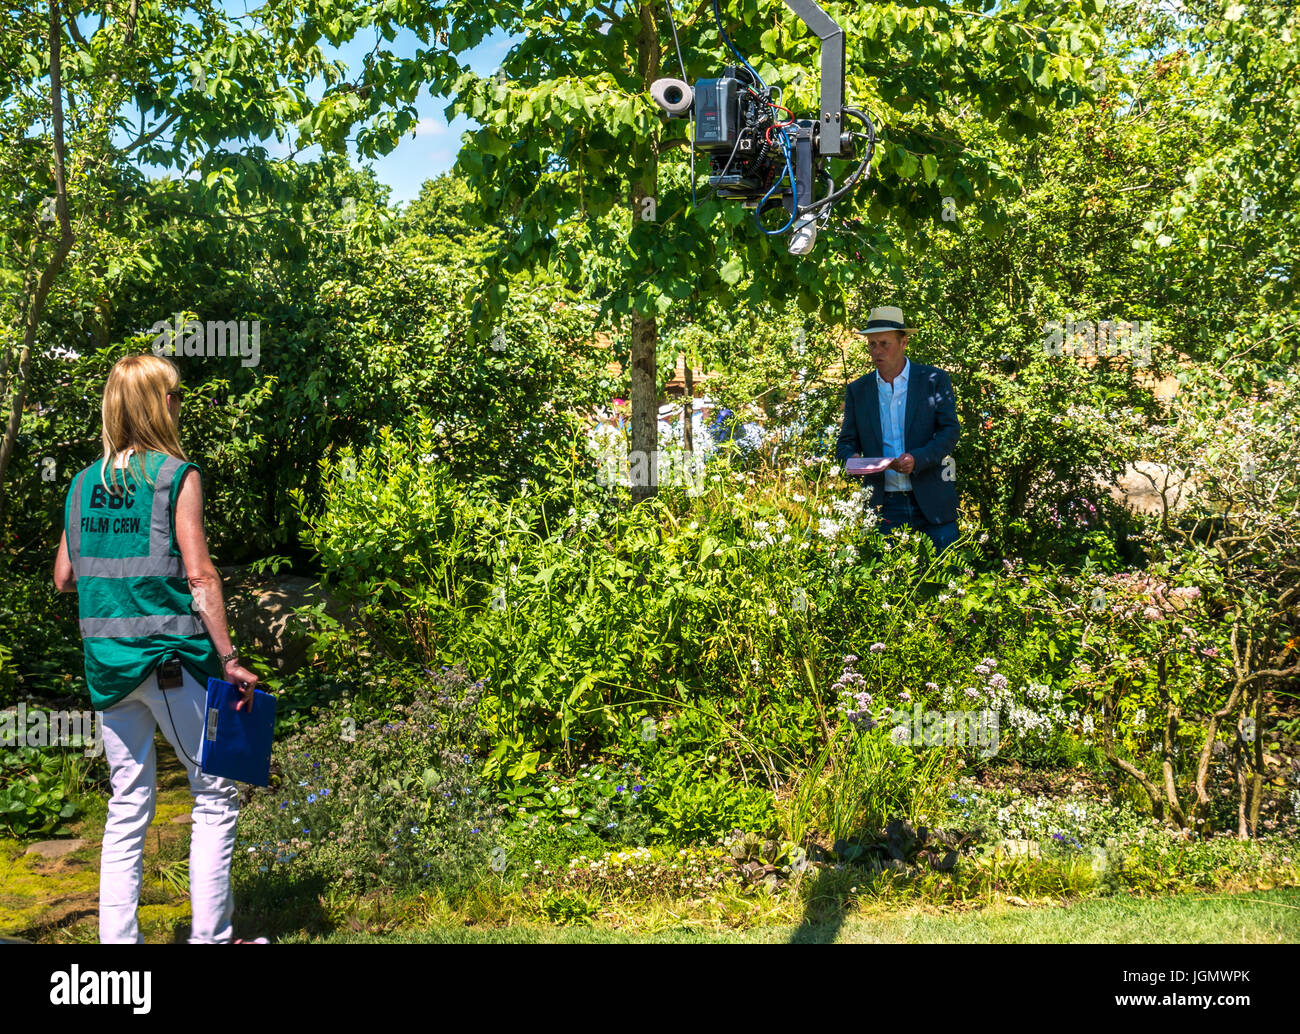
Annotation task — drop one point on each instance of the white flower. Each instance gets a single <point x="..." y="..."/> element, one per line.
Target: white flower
<point x="828" y="528"/>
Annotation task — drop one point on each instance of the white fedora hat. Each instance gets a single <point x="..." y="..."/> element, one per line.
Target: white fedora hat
<point x="886" y="317"/>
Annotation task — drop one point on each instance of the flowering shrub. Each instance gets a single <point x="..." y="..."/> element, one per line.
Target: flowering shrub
<point x="1126" y="848"/>
<point x="1034" y="712"/>
<point x="386" y="803"/>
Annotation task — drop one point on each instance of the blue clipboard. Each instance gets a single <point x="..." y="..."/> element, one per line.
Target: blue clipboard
<point x="237" y="744"/>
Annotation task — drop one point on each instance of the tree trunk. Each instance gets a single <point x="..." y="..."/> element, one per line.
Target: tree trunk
<point x="690" y="404"/>
<point x="643" y="448"/>
<point x="14" y="392"/>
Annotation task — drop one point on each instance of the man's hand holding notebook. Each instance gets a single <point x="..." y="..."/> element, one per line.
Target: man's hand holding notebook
<point x="861" y="466"/>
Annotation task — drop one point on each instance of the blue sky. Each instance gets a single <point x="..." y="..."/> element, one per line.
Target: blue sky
<point x="432" y="149"/>
<point x="427" y="151"/>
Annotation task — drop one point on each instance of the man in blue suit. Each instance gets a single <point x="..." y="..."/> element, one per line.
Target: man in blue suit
<point x="907" y="412"/>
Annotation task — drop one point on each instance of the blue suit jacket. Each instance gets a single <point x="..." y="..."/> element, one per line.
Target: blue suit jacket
<point x="930" y="432"/>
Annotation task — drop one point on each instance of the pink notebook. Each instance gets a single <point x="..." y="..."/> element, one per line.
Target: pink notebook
<point x="860" y="466"/>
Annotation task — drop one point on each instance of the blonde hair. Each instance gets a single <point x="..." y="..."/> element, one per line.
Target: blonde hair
<point x="135" y="414"/>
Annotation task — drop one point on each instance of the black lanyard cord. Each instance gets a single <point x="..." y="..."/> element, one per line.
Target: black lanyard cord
<point x="177" y="734"/>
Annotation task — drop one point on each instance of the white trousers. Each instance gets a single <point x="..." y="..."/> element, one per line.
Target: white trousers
<point x="128" y="731"/>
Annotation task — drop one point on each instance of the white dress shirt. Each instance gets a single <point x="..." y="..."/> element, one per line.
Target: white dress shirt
<point x="892" y="400"/>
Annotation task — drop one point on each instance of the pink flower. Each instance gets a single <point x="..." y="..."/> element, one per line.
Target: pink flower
<point x="1151" y="614"/>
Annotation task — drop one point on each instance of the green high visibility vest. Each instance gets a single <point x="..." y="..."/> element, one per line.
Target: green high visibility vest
<point x="134" y="601"/>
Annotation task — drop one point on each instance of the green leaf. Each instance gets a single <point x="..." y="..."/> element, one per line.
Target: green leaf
<point x="731" y="270"/>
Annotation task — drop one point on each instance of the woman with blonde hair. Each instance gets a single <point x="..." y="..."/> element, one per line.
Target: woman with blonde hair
<point x="153" y="627"/>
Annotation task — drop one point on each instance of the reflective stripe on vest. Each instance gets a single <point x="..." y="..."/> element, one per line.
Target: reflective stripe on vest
<point x="130" y="567"/>
<point x="74" y="521"/>
<point x="147" y="624"/>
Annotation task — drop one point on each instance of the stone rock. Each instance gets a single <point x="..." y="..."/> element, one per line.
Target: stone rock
<point x="183" y="818"/>
<point x="53" y="850"/>
<point x="261" y="614"/>
<point x="1140" y="485"/>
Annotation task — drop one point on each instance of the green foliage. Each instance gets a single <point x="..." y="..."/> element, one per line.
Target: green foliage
<point x="37" y="792"/>
<point x="601" y="800"/>
<point x="689" y="806"/>
<point x="568" y="908"/>
<point x="557" y="153"/>
<point x="861" y="781"/>
<point x="388" y="803"/>
<point x="40" y="643"/>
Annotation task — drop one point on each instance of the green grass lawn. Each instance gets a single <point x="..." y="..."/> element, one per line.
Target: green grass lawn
<point x="1262" y="917"/>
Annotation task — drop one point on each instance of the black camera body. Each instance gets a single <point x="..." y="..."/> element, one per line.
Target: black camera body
<point x="734" y="127"/>
<point x="753" y="151"/>
<point x="170" y="673"/>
